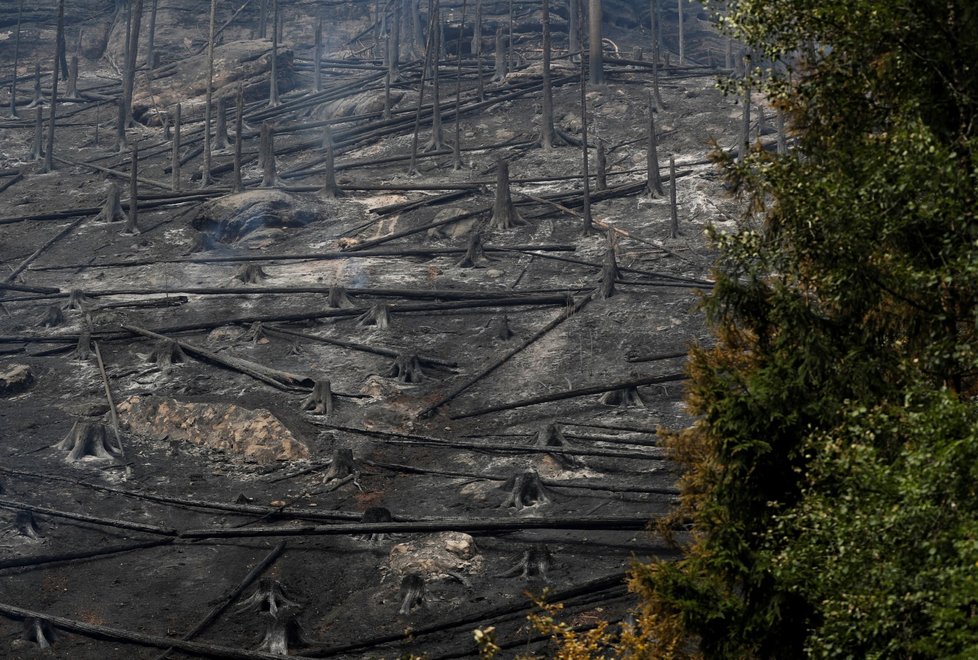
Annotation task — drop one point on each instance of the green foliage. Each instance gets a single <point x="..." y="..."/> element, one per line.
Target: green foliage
<point x="828" y="472"/>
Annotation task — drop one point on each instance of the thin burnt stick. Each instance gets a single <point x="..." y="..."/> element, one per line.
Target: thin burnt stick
<point x="228" y="600"/>
<point x="278" y="379"/>
<point x="569" y="394"/>
<point x="412" y="593"/>
<point x="469" y="525"/>
<point x="359" y="347"/>
<point x="118" y="634"/>
<point x="458" y="389"/>
<point x="534" y="563"/>
<point x="95" y="520"/>
<point x="41" y="560"/>
<point x="113" y="414"/>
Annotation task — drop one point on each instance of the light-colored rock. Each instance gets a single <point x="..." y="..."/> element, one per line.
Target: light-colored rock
<point x="255" y="435"/>
<point x="15" y="378"/>
<point x="233" y="217"/>
<point x="437" y="556"/>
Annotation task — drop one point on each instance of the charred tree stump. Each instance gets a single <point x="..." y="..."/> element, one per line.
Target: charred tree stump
<point x="534" y="563"/>
<point x="83" y="349"/>
<point x="78" y="301"/>
<point x="53" y="317"/>
<point x="269" y="597"/>
<point x="337" y="298"/>
<point x="112" y="209"/>
<point x="320" y="402"/>
<point x="342" y="468"/>
<point x="406" y="369"/>
<point x="329" y="189"/>
<point x="525" y="490"/>
<point x="551" y="436"/>
<point x="475" y="256"/>
<point x="251" y="274"/>
<point x="625" y="397"/>
<point x="39" y="631"/>
<point x="501" y="329"/>
<point x="132" y="226"/>
<point x="504" y="213"/>
<point x="412" y="593"/>
<point x="267" y="155"/>
<point x="375" y="514"/>
<point x="283" y="633"/>
<point x="379" y="315"/>
<point x="87" y="440"/>
<point x="673" y="206"/>
<point x="26" y="525"/>
<point x="166" y="354"/>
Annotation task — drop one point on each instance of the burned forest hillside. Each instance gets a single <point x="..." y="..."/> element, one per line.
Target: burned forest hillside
<point x="334" y="329"/>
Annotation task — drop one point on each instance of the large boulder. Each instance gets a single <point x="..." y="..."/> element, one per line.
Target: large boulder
<point x="257" y="436"/>
<point x="233" y="217"/>
<point x="238" y="64"/>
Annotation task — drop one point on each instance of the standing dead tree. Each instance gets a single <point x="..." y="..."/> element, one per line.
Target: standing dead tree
<point x="49" y="156"/>
<point x="654" y="186"/>
<point x="596" y="55"/>
<point x="205" y="175"/>
<point x="13" y="84"/>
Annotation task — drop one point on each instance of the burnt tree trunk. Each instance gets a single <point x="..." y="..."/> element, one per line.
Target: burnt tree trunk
<point x="682" y="32"/>
<point x="596" y="54"/>
<point x="437" y="135"/>
<point x="318" y="64"/>
<point x="673" y="206"/>
<point x="238" y="127"/>
<point x="151" y="37"/>
<point x="49" y="156"/>
<point x="654" y="186"/>
<point x="132" y="46"/>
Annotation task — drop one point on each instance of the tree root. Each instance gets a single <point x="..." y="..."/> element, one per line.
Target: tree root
<point x="406" y="369"/>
